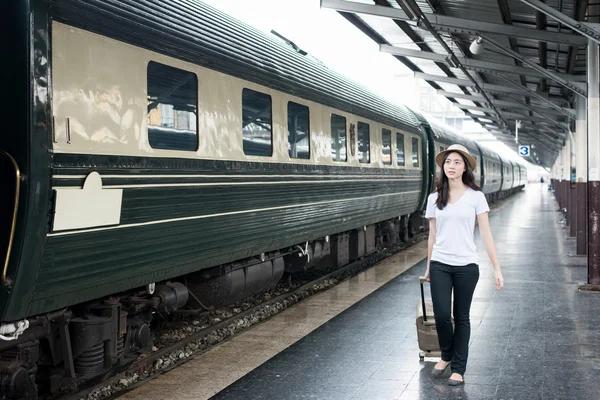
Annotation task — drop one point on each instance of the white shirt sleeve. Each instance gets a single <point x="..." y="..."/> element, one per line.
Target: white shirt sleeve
<point x="482" y="205"/>
<point x="430" y="211"/>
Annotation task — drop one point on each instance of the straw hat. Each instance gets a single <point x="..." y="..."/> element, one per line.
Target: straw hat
<point x="458" y="149"/>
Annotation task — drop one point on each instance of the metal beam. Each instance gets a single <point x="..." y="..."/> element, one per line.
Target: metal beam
<point x="532" y="125"/>
<point x="588" y="30"/>
<point x="514" y="102"/>
<point x="569" y="85"/>
<point x="476" y="28"/>
<point x="424" y="21"/>
<point x="445" y="79"/>
<point x="474" y="108"/>
<point x="485" y="86"/>
<point x="537" y="140"/>
<point x="521" y="110"/>
<point x="457" y="25"/>
<point x="475" y="65"/>
<point x="511" y="115"/>
<point x="541" y="113"/>
<point x="472" y="97"/>
<point x="538" y="96"/>
<point x="519" y="104"/>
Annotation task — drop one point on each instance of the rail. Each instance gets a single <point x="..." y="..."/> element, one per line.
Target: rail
<point x="5" y="280"/>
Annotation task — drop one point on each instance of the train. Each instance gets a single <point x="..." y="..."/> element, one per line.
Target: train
<point x="165" y="156"/>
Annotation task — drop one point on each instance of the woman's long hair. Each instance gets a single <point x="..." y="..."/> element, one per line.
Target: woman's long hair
<point x="443" y="186"/>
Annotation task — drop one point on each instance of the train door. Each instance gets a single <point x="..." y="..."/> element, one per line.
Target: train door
<point x="482" y="170"/>
<point x="428" y="156"/>
<point x="428" y="152"/>
<point x="501" y="174"/>
<point x="9" y="199"/>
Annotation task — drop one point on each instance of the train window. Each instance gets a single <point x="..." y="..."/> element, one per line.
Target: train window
<point x="400" y="149"/>
<point x="364" y="143"/>
<point x="415" y="152"/>
<point x="172" y="108"/>
<point x="338" y="138"/>
<point x="386" y="146"/>
<point x="257" y="128"/>
<point x="298" y="131"/>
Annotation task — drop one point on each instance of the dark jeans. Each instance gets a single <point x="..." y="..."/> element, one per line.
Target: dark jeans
<point x="454" y="345"/>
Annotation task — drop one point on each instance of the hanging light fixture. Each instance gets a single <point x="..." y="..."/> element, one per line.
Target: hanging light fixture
<point x="477" y="46"/>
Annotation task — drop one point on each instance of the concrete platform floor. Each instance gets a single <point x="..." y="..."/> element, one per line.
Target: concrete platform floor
<point x="538" y="338"/>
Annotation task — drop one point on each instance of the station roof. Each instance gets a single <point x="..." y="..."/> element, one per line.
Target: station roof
<point x="532" y="66"/>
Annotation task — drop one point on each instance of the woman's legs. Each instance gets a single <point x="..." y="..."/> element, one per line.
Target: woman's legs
<point x="464" y="281"/>
<point x="440" y="277"/>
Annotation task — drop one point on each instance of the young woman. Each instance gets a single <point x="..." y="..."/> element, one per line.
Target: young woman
<point x="452" y="261"/>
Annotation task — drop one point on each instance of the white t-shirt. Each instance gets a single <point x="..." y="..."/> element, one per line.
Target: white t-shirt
<point x="455" y="225"/>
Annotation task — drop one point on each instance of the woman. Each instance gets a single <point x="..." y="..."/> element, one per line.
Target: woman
<point x="452" y="261"/>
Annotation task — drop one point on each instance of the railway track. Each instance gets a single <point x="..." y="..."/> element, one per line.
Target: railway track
<point x="237" y="318"/>
<point x="198" y="341"/>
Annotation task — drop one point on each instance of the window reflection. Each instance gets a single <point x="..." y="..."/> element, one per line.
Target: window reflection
<point x="338" y="138"/>
<point x="415" y="152"/>
<point x="298" y="131"/>
<point x="364" y="144"/>
<point x="172" y="108"/>
<point x="386" y="146"/>
<point x="256" y="123"/>
<point x="400" y="149"/>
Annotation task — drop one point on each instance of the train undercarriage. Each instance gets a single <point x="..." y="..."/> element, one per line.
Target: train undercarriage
<point x="57" y="353"/>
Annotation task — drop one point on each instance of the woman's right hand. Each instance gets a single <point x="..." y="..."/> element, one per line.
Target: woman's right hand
<point x="427" y="274"/>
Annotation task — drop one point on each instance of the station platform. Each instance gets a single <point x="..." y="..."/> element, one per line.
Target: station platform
<point x="538" y="338"/>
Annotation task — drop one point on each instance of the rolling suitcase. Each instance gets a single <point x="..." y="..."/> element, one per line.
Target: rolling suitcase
<point x="426" y="332"/>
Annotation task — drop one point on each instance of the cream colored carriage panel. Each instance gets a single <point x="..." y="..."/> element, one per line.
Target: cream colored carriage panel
<point x="352" y="137"/>
<point x="377" y="145"/>
<point x="96" y="89"/>
<point x="219" y="117"/>
<point x="407" y="164"/>
<point x="100" y="88"/>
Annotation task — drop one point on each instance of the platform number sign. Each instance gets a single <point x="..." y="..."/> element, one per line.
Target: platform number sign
<point x="524" y="151"/>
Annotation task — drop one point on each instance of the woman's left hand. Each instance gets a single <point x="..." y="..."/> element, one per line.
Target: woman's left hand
<point x="499" y="279"/>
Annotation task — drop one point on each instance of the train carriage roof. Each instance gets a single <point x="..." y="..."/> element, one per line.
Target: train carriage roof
<point x="198" y="33"/>
<point x="449" y="135"/>
<point x="489" y="153"/>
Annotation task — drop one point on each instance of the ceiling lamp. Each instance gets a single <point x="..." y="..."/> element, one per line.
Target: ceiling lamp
<point x="477" y="46"/>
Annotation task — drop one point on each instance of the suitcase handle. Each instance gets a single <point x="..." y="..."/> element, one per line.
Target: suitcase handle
<point x="421" y="281"/>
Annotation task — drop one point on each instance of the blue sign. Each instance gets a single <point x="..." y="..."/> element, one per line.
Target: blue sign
<point x="524" y="151"/>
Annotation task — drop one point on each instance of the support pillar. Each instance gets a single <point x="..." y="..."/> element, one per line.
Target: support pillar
<point x="571" y="208"/>
<point x="593" y="74"/>
<point x="556" y="179"/>
<point x="563" y="166"/>
<point x="581" y="163"/>
<point x="567" y="180"/>
<point x="555" y="176"/>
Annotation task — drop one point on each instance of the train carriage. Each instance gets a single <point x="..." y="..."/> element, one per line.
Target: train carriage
<point x="167" y="152"/>
<point x="507" y="175"/>
<point x="492" y="170"/>
<point x="446" y="136"/>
